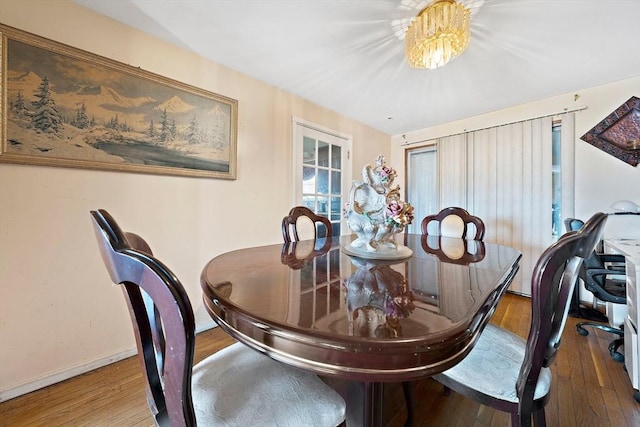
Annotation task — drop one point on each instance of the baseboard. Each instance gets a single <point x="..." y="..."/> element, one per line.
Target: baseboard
<point x="12" y="392"/>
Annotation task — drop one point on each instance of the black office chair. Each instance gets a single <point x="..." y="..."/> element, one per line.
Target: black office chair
<point x="600" y="280"/>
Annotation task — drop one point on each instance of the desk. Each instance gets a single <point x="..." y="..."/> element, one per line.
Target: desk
<point x="630" y="248"/>
<point x="357" y="323"/>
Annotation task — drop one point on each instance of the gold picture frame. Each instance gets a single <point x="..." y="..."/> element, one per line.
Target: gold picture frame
<point x="66" y="107"/>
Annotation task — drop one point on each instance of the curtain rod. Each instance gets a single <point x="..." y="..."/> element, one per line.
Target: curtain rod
<point x="495" y="126"/>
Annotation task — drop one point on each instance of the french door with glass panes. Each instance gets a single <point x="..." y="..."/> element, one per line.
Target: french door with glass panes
<point x="322" y="171"/>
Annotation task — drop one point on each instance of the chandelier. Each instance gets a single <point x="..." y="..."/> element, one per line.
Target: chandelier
<point x="439" y="33"/>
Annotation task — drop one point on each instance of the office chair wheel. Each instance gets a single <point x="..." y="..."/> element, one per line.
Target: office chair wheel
<point x="582" y="331"/>
<point x="613" y="350"/>
<point x="617" y="356"/>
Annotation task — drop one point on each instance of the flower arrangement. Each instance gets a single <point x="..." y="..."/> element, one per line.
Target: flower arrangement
<point x="399" y="214"/>
<point x="387" y="174"/>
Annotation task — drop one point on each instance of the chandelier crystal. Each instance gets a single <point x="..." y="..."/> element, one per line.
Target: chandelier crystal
<point x="439" y="33"/>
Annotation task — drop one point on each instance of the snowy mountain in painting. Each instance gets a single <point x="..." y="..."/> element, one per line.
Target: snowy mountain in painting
<point x="175" y="105"/>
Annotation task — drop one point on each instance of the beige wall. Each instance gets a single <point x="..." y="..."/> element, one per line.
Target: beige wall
<point x="600" y="179"/>
<point x="59" y="314"/>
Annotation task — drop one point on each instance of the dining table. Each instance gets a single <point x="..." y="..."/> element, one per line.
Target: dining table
<point x="360" y="322"/>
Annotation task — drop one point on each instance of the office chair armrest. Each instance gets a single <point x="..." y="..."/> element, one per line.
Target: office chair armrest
<point x="597" y="272"/>
<point x="602" y="293"/>
<point x="619" y="258"/>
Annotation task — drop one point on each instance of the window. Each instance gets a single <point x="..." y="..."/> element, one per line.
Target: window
<point x="556" y="179"/>
<point x="422" y="184"/>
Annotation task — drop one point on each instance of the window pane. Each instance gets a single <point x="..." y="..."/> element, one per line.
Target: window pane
<point x="323" y="181"/>
<point x="336" y="208"/>
<point x="323" y="154"/>
<point x="336" y="157"/>
<point x="309" y="201"/>
<point x="309" y="151"/>
<point x="308" y="180"/>
<point x="336" y="182"/>
<point x="323" y="206"/>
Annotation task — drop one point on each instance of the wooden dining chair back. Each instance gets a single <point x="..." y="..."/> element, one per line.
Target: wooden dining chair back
<point x="508" y="373"/>
<point x="453" y="222"/>
<point x="165" y="347"/>
<point x="292" y="222"/>
<point x="235" y="386"/>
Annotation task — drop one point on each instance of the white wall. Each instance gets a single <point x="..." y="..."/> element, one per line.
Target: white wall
<point x="600" y="179"/>
<point x="59" y="314"/>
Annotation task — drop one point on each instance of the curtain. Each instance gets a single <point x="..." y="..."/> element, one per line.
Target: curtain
<point x="503" y="175"/>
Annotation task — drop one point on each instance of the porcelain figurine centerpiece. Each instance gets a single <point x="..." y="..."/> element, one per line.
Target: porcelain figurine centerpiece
<point x="376" y="214"/>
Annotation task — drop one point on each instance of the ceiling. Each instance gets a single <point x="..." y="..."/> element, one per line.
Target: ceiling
<point x="348" y="55"/>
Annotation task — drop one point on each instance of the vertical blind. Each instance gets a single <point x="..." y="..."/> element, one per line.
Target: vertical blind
<point x="504" y="175"/>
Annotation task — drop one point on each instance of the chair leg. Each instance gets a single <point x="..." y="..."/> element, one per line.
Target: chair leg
<point x="539" y="418"/>
<point x="407" y="388"/>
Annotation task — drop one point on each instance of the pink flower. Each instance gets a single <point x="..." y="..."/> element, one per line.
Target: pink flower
<point x="394" y="208"/>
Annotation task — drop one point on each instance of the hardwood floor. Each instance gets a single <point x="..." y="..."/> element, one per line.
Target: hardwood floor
<point x="589" y="389"/>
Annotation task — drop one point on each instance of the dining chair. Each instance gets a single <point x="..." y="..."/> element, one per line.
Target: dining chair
<point x="236" y="386"/>
<point x="607" y="283"/>
<point x="511" y="374"/>
<point x="453" y="222"/>
<point x="290" y="224"/>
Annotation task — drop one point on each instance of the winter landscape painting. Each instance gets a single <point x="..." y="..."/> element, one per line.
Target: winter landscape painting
<point x="65" y="107"/>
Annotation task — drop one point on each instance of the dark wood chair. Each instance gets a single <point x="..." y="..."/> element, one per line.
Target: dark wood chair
<point x="322" y="225"/>
<point x="454" y="222"/>
<point x="506" y="372"/>
<point x="234" y="386"/>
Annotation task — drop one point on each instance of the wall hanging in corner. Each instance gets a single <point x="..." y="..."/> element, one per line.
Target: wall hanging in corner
<point x="619" y="133"/>
<point x="62" y="106"/>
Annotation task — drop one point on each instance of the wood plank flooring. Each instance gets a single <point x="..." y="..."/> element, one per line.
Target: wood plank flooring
<point x="589" y="389"/>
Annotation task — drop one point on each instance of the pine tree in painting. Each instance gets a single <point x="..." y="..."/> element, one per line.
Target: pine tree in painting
<point x="173" y="130"/>
<point x="193" y="131"/>
<point x="82" y="120"/>
<point x="164" y="127"/>
<point x="19" y="105"/>
<point x="152" y="130"/>
<point x="45" y="116"/>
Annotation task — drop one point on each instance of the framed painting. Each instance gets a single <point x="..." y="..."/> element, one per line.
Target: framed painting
<point x="62" y="106"/>
<point x="618" y="134"/>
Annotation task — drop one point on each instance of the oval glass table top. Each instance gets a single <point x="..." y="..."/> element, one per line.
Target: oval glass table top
<point x="311" y="305"/>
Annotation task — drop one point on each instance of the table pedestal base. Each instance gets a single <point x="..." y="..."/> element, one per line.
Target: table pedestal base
<point x="364" y="401"/>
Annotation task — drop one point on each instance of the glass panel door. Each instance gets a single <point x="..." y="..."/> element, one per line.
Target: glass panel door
<point x="322" y="173"/>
